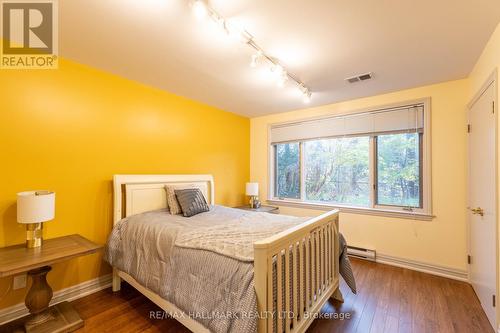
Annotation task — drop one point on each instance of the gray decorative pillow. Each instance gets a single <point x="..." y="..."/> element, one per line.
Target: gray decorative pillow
<point x="192" y="201"/>
<point x="172" y="203"/>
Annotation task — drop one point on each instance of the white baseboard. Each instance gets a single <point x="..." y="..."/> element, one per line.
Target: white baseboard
<point x="67" y="294"/>
<point x="451" y="273"/>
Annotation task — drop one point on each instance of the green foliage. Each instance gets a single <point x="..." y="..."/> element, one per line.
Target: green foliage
<point x="288" y="170"/>
<point x="337" y="170"/>
<point x="398" y="170"/>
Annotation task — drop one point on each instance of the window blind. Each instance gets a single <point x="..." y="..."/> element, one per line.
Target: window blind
<point x="408" y="118"/>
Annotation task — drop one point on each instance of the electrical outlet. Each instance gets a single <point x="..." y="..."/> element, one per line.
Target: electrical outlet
<point x="19" y="282"/>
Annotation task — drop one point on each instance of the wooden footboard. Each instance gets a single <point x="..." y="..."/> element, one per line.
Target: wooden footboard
<point x="296" y="271"/>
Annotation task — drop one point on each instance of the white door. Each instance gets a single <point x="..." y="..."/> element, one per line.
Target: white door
<point x="482" y="200"/>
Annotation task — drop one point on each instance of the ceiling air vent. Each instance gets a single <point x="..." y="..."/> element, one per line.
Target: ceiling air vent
<point x="361" y="77"/>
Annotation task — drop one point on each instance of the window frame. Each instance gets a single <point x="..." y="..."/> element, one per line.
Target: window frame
<point x="375" y="202"/>
<point x="422" y="213"/>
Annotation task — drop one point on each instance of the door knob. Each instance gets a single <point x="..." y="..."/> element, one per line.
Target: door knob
<point x="477" y="211"/>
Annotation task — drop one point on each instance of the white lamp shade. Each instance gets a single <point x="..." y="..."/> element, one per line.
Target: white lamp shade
<point x="35" y="206"/>
<point x="252" y="189"/>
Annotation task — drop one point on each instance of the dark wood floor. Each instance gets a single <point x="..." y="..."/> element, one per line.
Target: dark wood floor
<point x="392" y="299"/>
<point x="389" y="299"/>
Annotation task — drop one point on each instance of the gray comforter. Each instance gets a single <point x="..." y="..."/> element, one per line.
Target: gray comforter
<point x="211" y="288"/>
<point x="187" y="262"/>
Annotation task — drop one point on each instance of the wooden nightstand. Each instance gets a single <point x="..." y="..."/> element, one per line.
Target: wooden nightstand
<point x="265" y="209"/>
<point x="18" y="259"/>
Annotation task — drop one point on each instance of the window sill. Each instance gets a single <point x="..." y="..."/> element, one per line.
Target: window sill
<point x="353" y="210"/>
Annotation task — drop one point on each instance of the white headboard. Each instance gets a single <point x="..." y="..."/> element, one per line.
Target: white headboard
<point x="134" y="194"/>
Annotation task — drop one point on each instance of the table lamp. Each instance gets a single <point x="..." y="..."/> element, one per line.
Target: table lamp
<point x="252" y="190"/>
<point x="34" y="208"/>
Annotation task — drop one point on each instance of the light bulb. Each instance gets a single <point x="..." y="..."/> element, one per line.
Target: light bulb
<point x="200" y="9"/>
<point x="253" y="63"/>
<point x="306" y="96"/>
<point x="283" y="79"/>
<point x="277" y="72"/>
<point x="256" y="59"/>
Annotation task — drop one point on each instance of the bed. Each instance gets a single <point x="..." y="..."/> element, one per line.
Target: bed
<point x="302" y="256"/>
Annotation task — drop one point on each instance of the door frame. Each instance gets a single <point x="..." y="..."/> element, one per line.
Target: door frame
<point x="492" y="80"/>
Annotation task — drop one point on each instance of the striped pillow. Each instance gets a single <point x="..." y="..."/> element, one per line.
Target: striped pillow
<point x="192" y="201"/>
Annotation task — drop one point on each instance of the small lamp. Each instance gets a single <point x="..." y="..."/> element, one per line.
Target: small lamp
<point x="252" y="190"/>
<point x="33" y="208"/>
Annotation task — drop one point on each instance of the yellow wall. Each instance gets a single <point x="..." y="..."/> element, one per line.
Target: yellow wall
<point x="69" y="130"/>
<point x="441" y="241"/>
<point x="486" y="65"/>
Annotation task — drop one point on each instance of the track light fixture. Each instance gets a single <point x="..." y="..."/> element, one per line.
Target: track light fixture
<point x="201" y="9"/>
<point x="256" y="59"/>
<point x="277" y="70"/>
<point x="282" y="80"/>
<point x="306" y="96"/>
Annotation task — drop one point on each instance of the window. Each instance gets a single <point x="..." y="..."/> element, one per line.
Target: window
<point x="337" y="171"/>
<point x="398" y="170"/>
<point x="373" y="160"/>
<point x="288" y="170"/>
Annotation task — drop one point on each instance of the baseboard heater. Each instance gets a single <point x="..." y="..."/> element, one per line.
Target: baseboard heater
<point x="361" y="253"/>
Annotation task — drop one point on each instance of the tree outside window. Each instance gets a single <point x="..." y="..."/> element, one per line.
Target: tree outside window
<point x="288" y="170"/>
<point x="337" y="170"/>
<point x="398" y="170"/>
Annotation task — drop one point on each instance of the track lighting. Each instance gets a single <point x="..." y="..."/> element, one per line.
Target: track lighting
<point x="277" y="70"/>
<point x="254" y="61"/>
<point x="220" y="22"/>
<point x="256" y="58"/>
<point x="237" y="32"/>
<point x="280" y="74"/>
<point x="306" y="96"/>
<point x="282" y="79"/>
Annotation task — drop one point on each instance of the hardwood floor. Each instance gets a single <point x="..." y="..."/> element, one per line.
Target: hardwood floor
<point x="392" y="299"/>
<point x="389" y="299"/>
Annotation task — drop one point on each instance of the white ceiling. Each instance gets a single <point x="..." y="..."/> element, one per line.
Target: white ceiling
<point x="406" y="43"/>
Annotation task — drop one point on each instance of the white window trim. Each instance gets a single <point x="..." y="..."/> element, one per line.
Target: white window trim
<point x="424" y="213"/>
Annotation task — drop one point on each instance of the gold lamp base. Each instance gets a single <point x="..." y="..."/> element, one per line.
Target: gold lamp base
<point x="34" y="235"/>
<point x="254" y="201"/>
